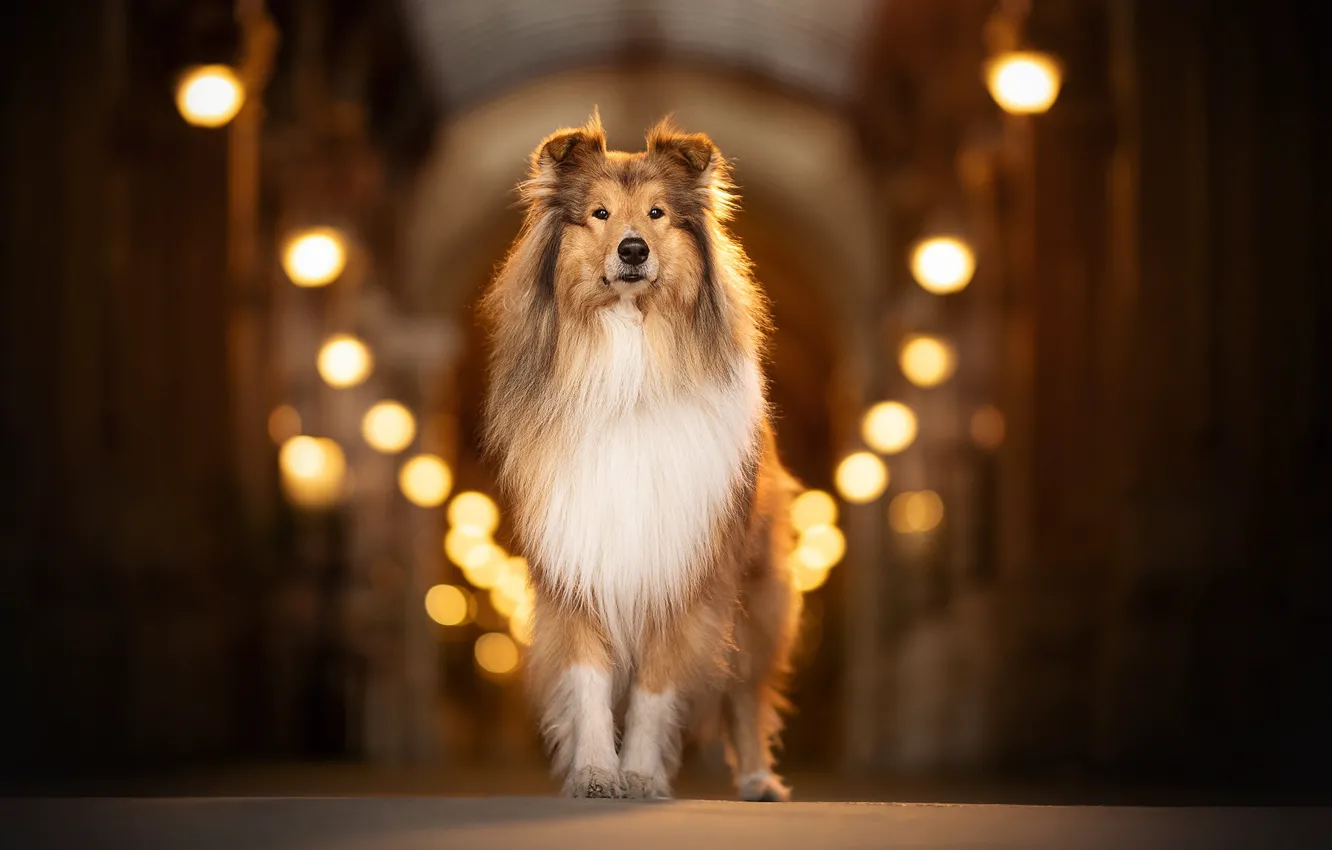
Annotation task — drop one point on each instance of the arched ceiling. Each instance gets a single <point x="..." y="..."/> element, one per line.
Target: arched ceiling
<point x="474" y="48"/>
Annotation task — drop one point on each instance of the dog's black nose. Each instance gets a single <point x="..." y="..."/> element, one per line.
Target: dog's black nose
<point x="633" y="251"/>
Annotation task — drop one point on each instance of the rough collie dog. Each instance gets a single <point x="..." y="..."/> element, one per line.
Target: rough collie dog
<point x="626" y="414"/>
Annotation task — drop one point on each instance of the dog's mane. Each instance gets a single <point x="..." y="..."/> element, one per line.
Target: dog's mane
<point x="729" y="321"/>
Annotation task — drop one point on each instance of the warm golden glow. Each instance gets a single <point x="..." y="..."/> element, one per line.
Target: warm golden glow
<point x="315" y="257"/>
<point x="459" y="542"/>
<point x="502" y="602"/>
<point x="861" y="477"/>
<point x="821" y="547"/>
<point x="943" y="265"/>
<point x="474" y="511"/>
<point x="512" y="581"/>
<point x="388" y="427"/>
<point x="484" y="565"/>
<point x="889" y="427"/>
<point x="1024" y="82"/>
<point x="496" y="653"/>
<point x="425" y="481"/>
<point x="448" y="605"/>
<point x="284" y="423"/>
<point x="915" y="511"/>
<point x="811" y="508"/>
<point x="520" y="622"/>
<point x="806" y="578"/>
<point x="209" y="95"/>
<point x="344" y="361"/>
<point x="987" y="427"/>
<point x="313" y="471"/>
<point x="927" y="361"/>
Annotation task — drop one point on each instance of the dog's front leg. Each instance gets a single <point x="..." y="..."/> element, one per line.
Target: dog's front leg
<point x="572" y="671"/>
<point x="678" y="660"/>
<point x="590" y="724"/>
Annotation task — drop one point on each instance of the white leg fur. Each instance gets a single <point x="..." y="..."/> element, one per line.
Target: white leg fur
<point x="581" y="725"/>
<point x="651" y="744"/>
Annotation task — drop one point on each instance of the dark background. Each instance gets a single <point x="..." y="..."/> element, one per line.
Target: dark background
<point x="1131" y="591"/>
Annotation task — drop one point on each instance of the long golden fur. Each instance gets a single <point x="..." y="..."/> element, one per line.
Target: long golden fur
<point x="627" y="417"/>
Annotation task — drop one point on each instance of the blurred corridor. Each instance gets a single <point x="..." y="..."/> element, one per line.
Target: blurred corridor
<point x="248" y="520"/>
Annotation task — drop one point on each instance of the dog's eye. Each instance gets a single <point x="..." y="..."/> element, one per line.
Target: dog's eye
<point x="602" y="214"/>
<point x="655" y="212"/>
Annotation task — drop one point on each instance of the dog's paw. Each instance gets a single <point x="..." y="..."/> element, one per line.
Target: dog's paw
<point x="763" y="787"/>
<point x="641" y="786"/>
<point x="594" y="782"/>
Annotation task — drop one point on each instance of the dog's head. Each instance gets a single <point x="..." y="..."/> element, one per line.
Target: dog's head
<point x="631" y="226"/>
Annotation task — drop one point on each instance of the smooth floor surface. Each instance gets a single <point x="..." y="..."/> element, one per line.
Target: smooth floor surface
<point x="496" y="823"/>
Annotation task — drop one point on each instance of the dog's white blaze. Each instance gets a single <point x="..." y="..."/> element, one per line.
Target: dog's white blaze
<point x="633" y="500"/>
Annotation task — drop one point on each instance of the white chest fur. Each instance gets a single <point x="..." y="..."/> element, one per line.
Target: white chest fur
<point x="632" y="502"/>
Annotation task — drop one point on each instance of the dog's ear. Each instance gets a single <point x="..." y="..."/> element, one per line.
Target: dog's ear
<point x="561" y="151"/>
<point x="694" y="151"/>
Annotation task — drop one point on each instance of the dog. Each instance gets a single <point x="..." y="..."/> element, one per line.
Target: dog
<point x="626" y="414"/>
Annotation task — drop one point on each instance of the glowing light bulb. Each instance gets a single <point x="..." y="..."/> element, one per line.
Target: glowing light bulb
<point x="1024" y="82"/>
<point x="344" y="361"/>
<point x="821" y="547"/>
<point x="315" y="257"/>
<point x="459" y="543"/>
<point x="811" y="508"/>
<point x="448" y="605"/>
<point x="889" y="427"/>
<point x="313" y="471"/>
<point x="209" y="95"/>
<point x="927" y="361"/>
<point x="475" y="511"/>
<point x="807" y="579"/>
<point x="861" y="477"/>
<point x="425" y="480"/>
<point x="943" y="265"/>
<point x="484" y="565"/>
<point x="388" y="427"/>
<point x="915" y="511"/>
<point x="496" y="653"/>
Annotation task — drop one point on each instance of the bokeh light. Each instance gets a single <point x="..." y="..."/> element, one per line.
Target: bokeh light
<point x="889" y="427"/>
<point x="861" y="477"/>
<point x="807" y="579"/>
<point x="474" y="511"/>
<point x="315" y="257"/>
<point x="1024" y="82"/>
<point x="520" y="622"/>
<point x="458" y="542"/>
<point x="283" y="423"/>
<point x="388" y="427"/>
<point x="811" y="508"/>
<point x="496" y="653"/>
<point x="915" y="511"/>
<point x="943" y="264"/>
<point x="448" y="604"/>
<point x="821" y="547"/>
<point x="313" y="471"/>
<point x="425" y="480"/>
<point x="209" y="95"/>
<point x="484" y="565"/>
<point x="987" y="427"/>
<point x="344" y="361"/>
<point x="927" y="361"/>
